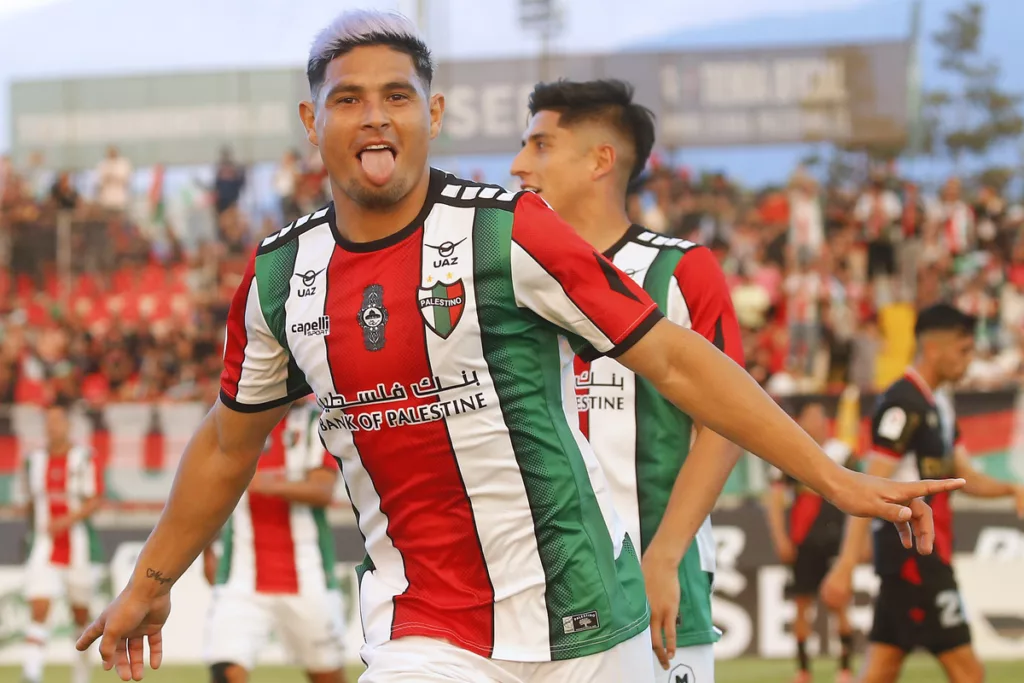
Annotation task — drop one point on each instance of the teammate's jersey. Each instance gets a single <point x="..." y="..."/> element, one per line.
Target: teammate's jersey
<point x="640" y="438"/>
<point x="812" y="519"/>
<point x="270" y="544"/>
<point x="918" y="428"/>
<point x="441" y="357"/>
<point x="58" y="484"/>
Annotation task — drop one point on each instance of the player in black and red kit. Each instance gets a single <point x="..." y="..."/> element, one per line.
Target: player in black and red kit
<point x="915" y="435"/>
<point x="810" y="541"/>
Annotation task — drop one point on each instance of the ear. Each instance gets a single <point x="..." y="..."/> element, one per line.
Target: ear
<point x="604" y="158"/>
<point x="436" y="115"/>
<point x="307" y="112"/>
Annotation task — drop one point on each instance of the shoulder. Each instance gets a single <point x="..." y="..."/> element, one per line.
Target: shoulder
<point x="290" y="232"/>
<point x="903" y="394"/>
<point x="459" y="192"/>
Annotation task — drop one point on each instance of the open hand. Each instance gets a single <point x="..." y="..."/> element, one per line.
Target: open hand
<point x="121" y="628"/>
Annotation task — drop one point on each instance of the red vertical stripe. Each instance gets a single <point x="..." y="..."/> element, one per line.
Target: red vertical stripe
<point x="802" y="516"/>
<point x="580" y="366"/>
<point x="153" y="451"/>
<point x="450" y="291"/>
<point x="273" y="544"/>
<point x="234" y="348"/>
<point x="412" y="466"/>
<point x="942" y="515"/>
<point x="57" y="497"/>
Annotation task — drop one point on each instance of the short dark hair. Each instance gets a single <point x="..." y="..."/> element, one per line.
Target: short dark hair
<point x="363" y="28"/>
<point x="944" y="317"/>
<point x="607" y="100"/>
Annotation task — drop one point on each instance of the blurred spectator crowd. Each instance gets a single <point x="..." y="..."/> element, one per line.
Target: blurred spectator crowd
<point x="106" y="296"/>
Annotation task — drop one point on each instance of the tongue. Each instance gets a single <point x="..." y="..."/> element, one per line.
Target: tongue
<point x="378" y="165"/>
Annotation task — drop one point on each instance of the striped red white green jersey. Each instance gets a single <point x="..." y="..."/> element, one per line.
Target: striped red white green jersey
<point x="640" y="438"/>
<point x="442" y="359"/>
<point x="58" y="484"/>
<point x="272" y="545"/>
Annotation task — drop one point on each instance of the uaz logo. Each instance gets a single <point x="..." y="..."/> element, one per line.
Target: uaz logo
<point x="446" y="250"/>
<point x="308" y="280"/>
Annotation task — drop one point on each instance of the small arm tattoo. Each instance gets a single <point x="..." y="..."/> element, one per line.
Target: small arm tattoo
<point x="157" y="576"/>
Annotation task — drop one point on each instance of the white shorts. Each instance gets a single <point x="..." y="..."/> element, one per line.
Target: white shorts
<point x="47" y="581"/>
<point x="311" y="626"/>
<point x="415" y="659"/>
<point x="695" y="664"/>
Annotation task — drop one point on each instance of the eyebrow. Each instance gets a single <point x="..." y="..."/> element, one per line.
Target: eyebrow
<point x="351" y="88"/>
<point x="536" y="137"/>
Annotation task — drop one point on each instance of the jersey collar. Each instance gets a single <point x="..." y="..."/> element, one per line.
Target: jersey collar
<point x="631" y="232"/>
<point x="915" y="377"/>
<point x="437" y="183"/>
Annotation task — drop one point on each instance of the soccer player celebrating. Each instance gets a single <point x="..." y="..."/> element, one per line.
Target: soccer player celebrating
<point x="584" y="144"/>
<point x="915" y="434"/>
<point x="814" y="535"/>
<point x="64" y="487"/>
<point x="431" y="316"/>
<point x="277" y="565"/>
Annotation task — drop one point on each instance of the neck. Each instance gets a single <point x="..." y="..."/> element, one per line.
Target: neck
<point x="599" y="220"/>
<point x="58" y="447"/>
<point x="357" y="223"/>
<point x="927" y="373"/>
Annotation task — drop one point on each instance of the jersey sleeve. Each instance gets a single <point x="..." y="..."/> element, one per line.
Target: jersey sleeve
<point x="259" y="373"/>
<point x="564" y="280"/>
<point x="709" y="310"/>
<point x="892" y="428"/>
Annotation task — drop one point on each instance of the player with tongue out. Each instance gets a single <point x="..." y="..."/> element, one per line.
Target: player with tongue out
<point x="493" y="551"/>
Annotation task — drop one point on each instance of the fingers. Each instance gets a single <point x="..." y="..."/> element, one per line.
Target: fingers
<point x="108" y="647"/>
<point x="906" y="535"/>
<point x="927" y="487"/>
<point x="136" y="659"/>
<point x="923" y="525"/>
<point x="89" y="636"/>
<point x="156" y="649"/>
<point x="121" y="663"/>
<point x="656" y="640"/>
<point x="891" y="512"/>
<point x="670" y="635"/>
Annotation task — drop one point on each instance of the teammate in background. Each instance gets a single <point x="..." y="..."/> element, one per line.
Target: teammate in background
<point x="430" y="316"/>
<point x="662" y="487"/>
<point x="64" y="488"/>
<point x="915" y="434"/>
<point x="815" y="531"/>
<point x="277" y="565"/>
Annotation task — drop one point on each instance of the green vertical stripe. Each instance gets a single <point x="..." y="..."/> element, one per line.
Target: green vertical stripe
<point x="575" y="548"/>
<point x="662" y="444"/>
<point x="227" y="542"/>
<point x="274" y="271"/>
<point x="326" y="543"/>
<point x="95" y="547"/>
<point x="662" y="431"/>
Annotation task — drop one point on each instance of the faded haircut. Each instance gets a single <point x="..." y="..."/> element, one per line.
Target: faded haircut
<point x="606" y="101"/>
<point x="362" y="28"/>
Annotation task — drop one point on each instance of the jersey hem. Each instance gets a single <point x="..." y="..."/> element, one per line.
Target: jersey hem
<point x="690" y="639"/>
<point x="260" y="407"/>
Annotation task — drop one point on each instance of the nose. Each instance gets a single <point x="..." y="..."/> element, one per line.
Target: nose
<point x="375" y="114"/>
<point x="519" y="165"/>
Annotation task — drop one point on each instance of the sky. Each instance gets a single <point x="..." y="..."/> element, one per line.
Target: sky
<point x="68" y="38"/>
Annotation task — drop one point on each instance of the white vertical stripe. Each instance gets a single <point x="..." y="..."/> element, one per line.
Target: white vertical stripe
<point x="596" y="470"/>
<point x="678" y="312"/>
<point x="42" y="545"/>
<point x="264" y="375"/>
<point x="379" y="587"/>
<point x="309" y="566"/>
<point x="484" y="454"/>
<point x="243" y="554"/>
<point x="316" y="246"/>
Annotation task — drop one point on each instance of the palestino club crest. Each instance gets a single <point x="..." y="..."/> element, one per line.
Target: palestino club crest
<point x="442" y="305"/>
